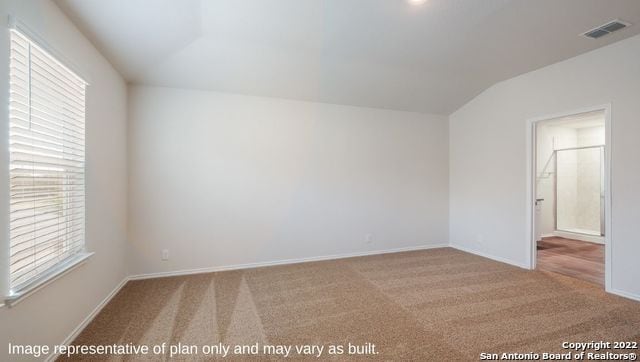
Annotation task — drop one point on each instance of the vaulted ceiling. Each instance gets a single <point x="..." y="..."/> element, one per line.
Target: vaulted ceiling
<point x="428" y="57"/>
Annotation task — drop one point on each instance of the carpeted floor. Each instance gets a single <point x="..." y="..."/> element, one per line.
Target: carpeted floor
<point x="439" y="304"/>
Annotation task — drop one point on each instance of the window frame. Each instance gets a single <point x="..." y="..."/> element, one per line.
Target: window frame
<point x="66" y="265"/>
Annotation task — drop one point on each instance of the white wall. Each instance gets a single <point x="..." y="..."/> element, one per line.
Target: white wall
<point x="222" y="179"/>
<point x="488" y="154"/>
<point x="591" y="136"/>
<point x="51" y="314"/>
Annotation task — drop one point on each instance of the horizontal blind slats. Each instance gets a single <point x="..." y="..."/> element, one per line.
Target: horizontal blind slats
<point x="41" y="87"/>
<point x="51" y="76"/>
<point x="37" y="212"/>
<point x="44" y="267"/>
<point x="56" y="125"/>
<point x="41" y="57"/>
<point x="17" y="189"/>
<point x="50" y="234"/>
<point x="43" y="199"/>
<point x="46" y="106"/>
<point x="44" y="231"/>
<point x="67" y="97"/>
<point x="43" y="242"/>
<point x="40" y="196"/>
<point x="47" y="162"/>
<point x="37" y="135"/>
<point x="37" y="124"/>
<point x="20" y="140"/>
<point x="17" y="177"/>
<point x="41" y="261"/>
<point x="56" y="172"/>
<point x="51" y="152"/>
<point x="32" y="255"/>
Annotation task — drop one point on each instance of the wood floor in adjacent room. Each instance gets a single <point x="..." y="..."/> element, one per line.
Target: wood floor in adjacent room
<point x="432" y="305"/>
<point x="575" y="258"/>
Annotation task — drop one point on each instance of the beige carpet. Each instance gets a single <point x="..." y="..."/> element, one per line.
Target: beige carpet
<point x="440" y="304"/>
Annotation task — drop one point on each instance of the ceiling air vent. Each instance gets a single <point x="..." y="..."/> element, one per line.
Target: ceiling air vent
<point x="605" y="29"/>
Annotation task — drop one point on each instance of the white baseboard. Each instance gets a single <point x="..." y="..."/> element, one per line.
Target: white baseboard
<point x="280" y="262"/>
<point x="489" y="256"/>
<point x="631" y="296"/>
<point x="89" y="318"/>
<point x="578" y="236"/>
<point x="124" y="281"/>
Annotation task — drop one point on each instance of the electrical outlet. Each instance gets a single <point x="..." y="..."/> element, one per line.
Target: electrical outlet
<point x="165" y="254"/>
<point x="368" y="238"/>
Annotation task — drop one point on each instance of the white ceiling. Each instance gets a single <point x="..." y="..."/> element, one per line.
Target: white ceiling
<point x="430" y="58"/>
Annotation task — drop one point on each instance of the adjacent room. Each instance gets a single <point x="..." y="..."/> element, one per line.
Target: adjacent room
<point x="570" y="203"/>
<point x="393" y="180"/>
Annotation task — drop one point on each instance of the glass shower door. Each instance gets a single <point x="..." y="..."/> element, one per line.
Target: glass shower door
<point x="579" y="190"/>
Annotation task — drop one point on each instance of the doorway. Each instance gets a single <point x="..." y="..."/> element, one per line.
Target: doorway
<point x="570" y="195"/>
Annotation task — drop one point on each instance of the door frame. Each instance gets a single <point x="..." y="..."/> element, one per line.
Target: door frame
<point x="531" y="250"/>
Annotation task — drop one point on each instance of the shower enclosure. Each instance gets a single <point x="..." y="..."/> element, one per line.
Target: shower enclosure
<point x="579" y="190"/>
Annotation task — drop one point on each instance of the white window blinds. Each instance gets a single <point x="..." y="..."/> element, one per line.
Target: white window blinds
<point x="47" y="164"/>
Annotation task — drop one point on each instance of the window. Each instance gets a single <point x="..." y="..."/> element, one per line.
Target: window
<point x="47" y="165"/>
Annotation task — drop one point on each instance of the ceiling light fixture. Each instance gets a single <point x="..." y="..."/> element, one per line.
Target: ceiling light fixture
<point x="417" y="2"/>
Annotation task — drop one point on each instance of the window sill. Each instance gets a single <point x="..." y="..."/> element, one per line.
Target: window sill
<point x="48" y="278"/>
